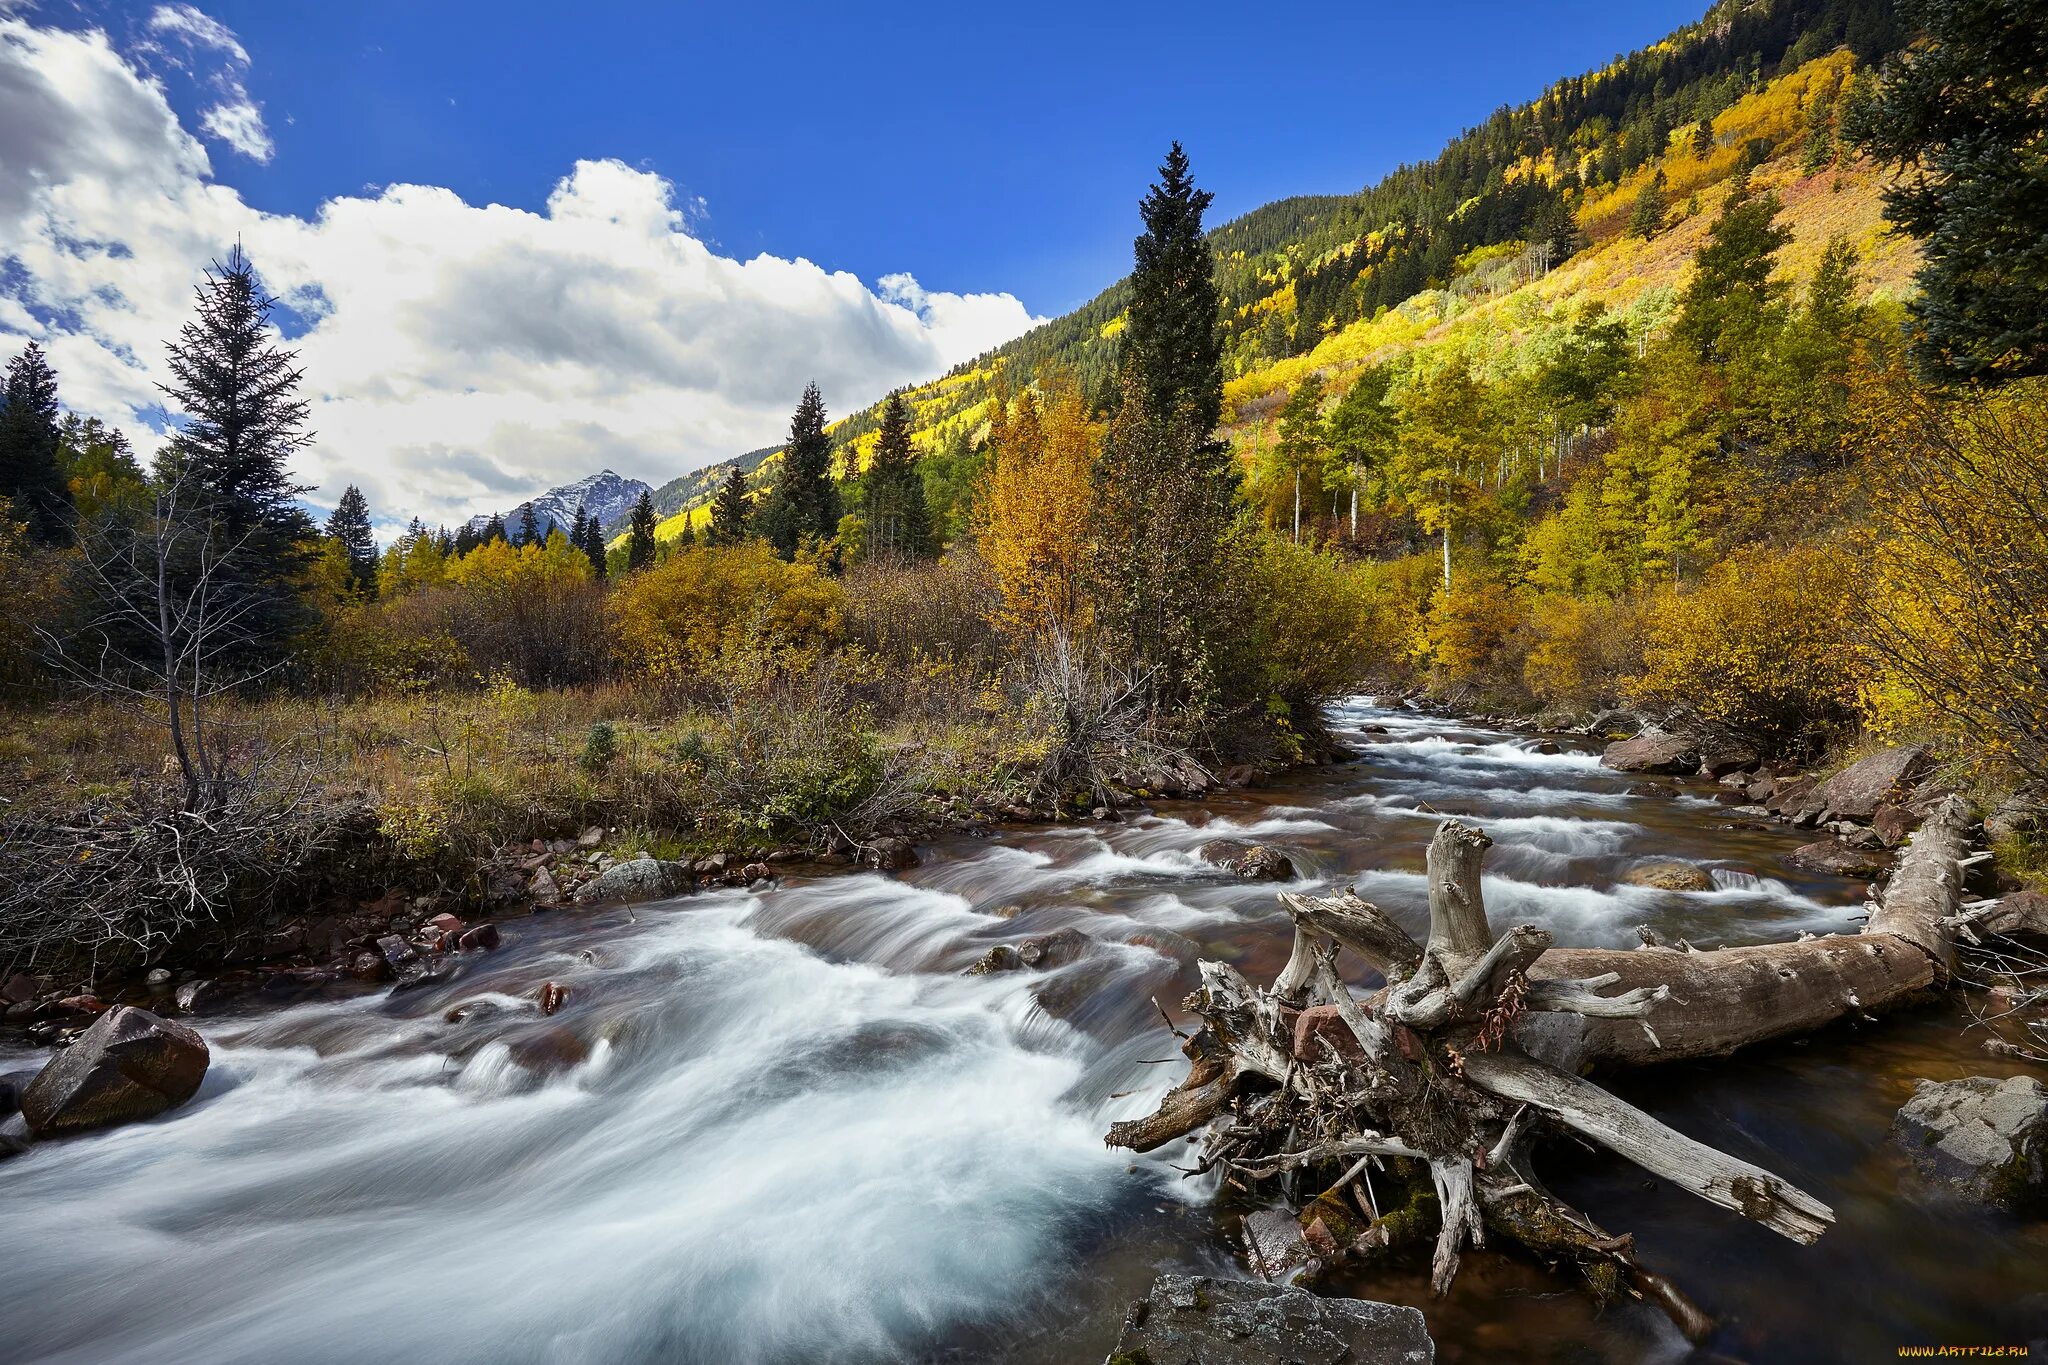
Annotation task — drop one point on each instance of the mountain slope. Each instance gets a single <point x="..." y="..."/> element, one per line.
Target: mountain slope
<point x="604" y="495"/>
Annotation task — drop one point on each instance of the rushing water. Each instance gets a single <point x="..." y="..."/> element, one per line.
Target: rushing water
<point x="785" y="1127"/>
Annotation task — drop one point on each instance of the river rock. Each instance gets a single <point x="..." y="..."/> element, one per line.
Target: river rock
<point x="1894" y="825"/>
<point x="1319" y="1024"/>
<point x="1253" y="862"/>
<point x="1985" y="1138"/>
<point x="1055" y="949"/>
<point x="1670" y="874"/>
<point x="129" y="1065"/>
<point x="1197" y="1320"/>
<point x="1858" y="790"/>
<point x="1837" y="858"/>
<point x="1724" y="759"/>
<point x="636" y="879"/>
<point x="1001" y="958"/>
<point x="891" y="853"/>
<point x="1615" y="724"/>
<point x="1668" y="755"/>
<point x="208" y="994"/>
<point x="2018" y="815"/>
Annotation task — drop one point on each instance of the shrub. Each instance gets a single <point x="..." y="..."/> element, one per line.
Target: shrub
<point x="1759" y="652"/>
<point x="600" y="747"/>
<point x="1474" y="637"/>
<point x="675" y="619"/>
<point x="1581" y="650"/>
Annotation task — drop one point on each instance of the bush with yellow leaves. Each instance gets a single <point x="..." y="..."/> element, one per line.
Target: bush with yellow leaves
<point x="674" y="619"/>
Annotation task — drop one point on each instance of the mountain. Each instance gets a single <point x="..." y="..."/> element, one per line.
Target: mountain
<point x="1525" y="211"/>
<point x="604" y="495"/>
<point x="681" y="492"/>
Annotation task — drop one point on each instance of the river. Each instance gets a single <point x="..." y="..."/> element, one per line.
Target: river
<point x="786" y="1127"/>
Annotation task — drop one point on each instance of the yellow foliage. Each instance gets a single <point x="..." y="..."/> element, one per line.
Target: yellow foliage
<point x="498" y="568"/>
<point x="677" y="617"/>
<point x="1037" y="507"/>
<point x="1760" y="650"/>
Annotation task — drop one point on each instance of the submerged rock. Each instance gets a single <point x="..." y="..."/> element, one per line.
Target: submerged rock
<point x="1668" y="755"/>
<point x="1670" y="874"/>
<point x="1986" y="1139"/>
<point x="1840" y="859"/>
<point x="129" y="1065"/>
<point x="1253" y="862"/>
<point x="891" y="853"/>
<point x="1001" y="958"/>
<point x="1197" y="1320"/>
<point x="1055" y="949"/>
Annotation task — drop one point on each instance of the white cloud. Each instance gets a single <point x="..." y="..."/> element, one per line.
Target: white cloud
<point x="457" y="355"/>
<point x="239" y="123"/>
<point x="237" y="119"/>
<point x="198" y="30"/>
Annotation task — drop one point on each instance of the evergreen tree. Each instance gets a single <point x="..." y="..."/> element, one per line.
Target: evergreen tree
<point x="1703" y="139"/>
<point x="529" y="526"/>
<point x="1648" y="214"/>
<point x="467" y="539"/>
<point x="1171" y="336"/>
<point x="593" y="546"/>
<point x="349" y="527"/>
<point x="494" y="529"/>
<point x="1962" y="116"/>
<point x="640" y="539"/>
<point x="579" y="530"/>
<point x="244" y="420"/>
<point x="729" y="510"/>
<point x="1732" y="301"/>
<point x="804" y="505"/>
<point x="29" y="473"/>
<point x="898" y="518"/>
<point x="444" y="544"/>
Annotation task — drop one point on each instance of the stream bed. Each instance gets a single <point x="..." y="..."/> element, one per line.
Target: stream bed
<point x="786" y="1127"/>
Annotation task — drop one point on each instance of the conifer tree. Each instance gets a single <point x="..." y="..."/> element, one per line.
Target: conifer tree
<point x="349" y="527"/>
<point x="729" y="510"/>
<point x="1732" y="300"/>
<point x="529" y="526"/>
<point x="1962" y="117"/>
<point x="29" y="474"/>
<point x="579" y="530"/>
<point x="640" y="539"/>
<point x="1703" y="139"/>
<point x="593" y="546"/>
<point x="244" y="420"/>
<point x="494" y="529"/>
<point x="1648" y="214"/>
<point x="1171" y="336"/>
<point x="804" y="505"/>
<point x="898" y="518"/>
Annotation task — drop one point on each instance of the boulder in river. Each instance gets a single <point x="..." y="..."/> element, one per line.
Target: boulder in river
<point x="636" y="879"/>
<point x="1670" y="874"/>
<point x="129" y="1065"/>
<point x="1669" y="755"/>
<point x="1198" y="1320"/>
<point x="1001" y="958"/>
<point x="1253" y="862"/>
<point x="1858" y="790"/>
<point x="1986" y="1139"/>
<point x="891" y="853"/>
<point x="1838" y="858"/>
<point x="1055" y="949"/>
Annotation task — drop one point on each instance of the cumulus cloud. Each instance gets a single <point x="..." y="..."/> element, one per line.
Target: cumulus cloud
<point x="455" y="354"/>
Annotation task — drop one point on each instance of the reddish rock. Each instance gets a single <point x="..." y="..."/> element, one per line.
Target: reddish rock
<point x="1056" y="949"/>
<point x="481" y="937"/>
<point x="129" y="1065"/>
<point x="891" y="853"/>
<point x="1834" y="856"/>
<point x="83" y="1004"/>
<point x="1320" y="1024"/>
<point x="1667" y="755"/>
<point x="1856" y="792"/>
<point x="553" y="995"/>
<point x="368" y="967"/>
<point x="445" y="924"/>
<point x="1253" y="862"/>
<point x="1894" y="825"/>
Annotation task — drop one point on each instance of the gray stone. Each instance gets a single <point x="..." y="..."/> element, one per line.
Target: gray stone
<point x="1986" y="1139"/>
<point x="1001" y="958"/>
<point x="891" y="853"/>
<point x="1664" y="754"/>
<point x="1055" y="949"/>
<point x="1858" y="790"/>
<point x="1609" y="724"/>
<point x="636" y="879"/>
<point x="1198" y="1320"/>
<point x="1837" y="858"/>
<point x="129" y="1065"/>
<point x="544" y="889"/>
<point x="2018" y="815"/>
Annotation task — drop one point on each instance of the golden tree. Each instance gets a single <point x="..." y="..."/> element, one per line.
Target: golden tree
<point x="1037" y="505"/>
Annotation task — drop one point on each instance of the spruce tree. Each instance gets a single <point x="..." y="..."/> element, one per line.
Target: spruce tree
<point x="593" y="546"/>
<point x="640" y="538"/>
<point x="579" y="530"/>
<point x="804" y="504"/>
<point x="349" y="527"/>
<point x="529" y="526"/>
<point x="244" y="420"/>
<point x="29" y="472"/>
<point x="494" y="529"/>
<point x="1962" y="117"/>
<point x="1171" y="336"/>
<point x="729" y="510"/>
<point x="898" y="518"/>
<point x="1732" y="299"/>
<point x="1648" y="214"/>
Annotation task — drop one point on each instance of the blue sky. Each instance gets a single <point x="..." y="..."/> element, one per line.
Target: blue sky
<point x="520" y="244"/>
<point x="980" y="156"/>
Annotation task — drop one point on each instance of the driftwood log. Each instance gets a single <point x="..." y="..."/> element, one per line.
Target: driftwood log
<point x="1478" y="1040"/>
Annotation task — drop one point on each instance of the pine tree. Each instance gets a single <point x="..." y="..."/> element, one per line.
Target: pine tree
<point x="1171" y="336"/>
<point x="804" y="505"/>
<point x="579" y="530"/>
<point x="529" y="526"/>
<point x="1732" y="301"/>
<point x="29" y="473"/>
<point x="244" y="420"/>
<point x="640" y="539"/>
<point x="1648" y="215"/>
<point x="349" y="527"/>
<point x="1703" y="139"/>
<point x="593" y="547"/>
<point x="1962" y="117"/>
<point x="494" y="529"/>
<point x="898" y="518"/>
<point x="729" y="510"/>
